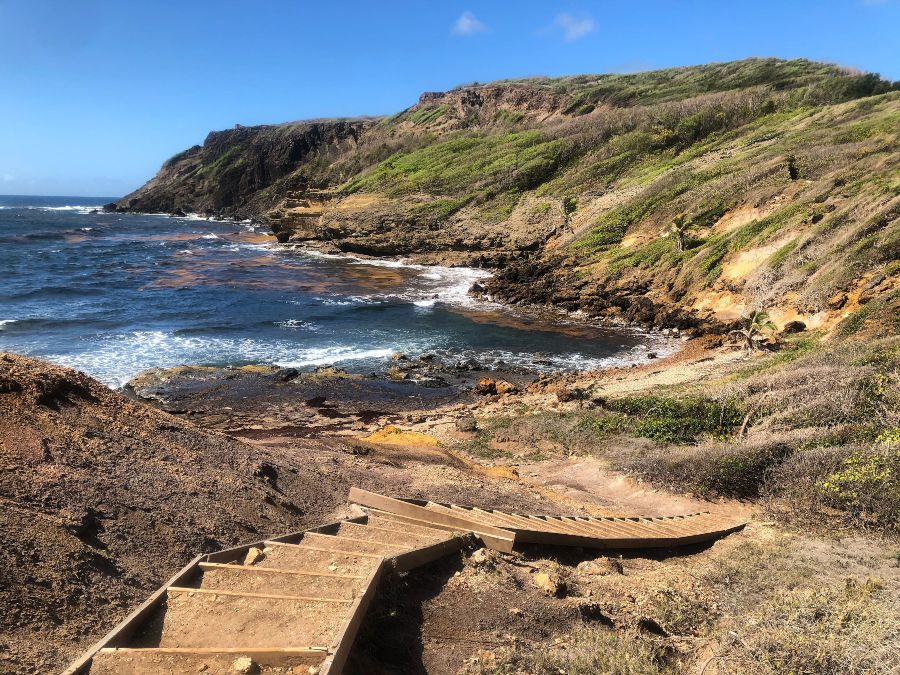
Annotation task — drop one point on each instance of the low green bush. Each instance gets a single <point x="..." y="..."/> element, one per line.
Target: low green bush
<point x="677" y="420"/>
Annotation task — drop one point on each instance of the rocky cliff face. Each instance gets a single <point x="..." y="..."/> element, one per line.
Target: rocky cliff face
<point x="785" y="173"/>
<point x="242" y="170"/>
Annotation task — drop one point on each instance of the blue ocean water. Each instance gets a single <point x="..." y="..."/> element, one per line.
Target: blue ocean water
<point x="114" y="294"/>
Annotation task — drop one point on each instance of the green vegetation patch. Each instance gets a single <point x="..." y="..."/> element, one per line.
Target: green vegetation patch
<point x="439" y="209"/>
<point x="427" y="115"/>
<point x="677" y="420"/>
<point x="468" y="165"/>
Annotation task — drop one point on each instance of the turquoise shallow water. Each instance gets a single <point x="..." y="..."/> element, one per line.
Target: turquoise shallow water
<point x="114" y="294"/>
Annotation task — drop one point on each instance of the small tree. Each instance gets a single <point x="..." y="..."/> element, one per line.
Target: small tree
<point x="755" y="325"/>
<point x="679" y="227"/>
<point x="792" y="168"/>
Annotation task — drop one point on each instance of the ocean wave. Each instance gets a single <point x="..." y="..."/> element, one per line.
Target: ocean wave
<point x="117" y="358"/>
<point x="555" y="362"/>
<point x="449" y="285"/>
<point x="82" y="209"/>
<point x="296" y="323"/>
<point x="324" y="356"/>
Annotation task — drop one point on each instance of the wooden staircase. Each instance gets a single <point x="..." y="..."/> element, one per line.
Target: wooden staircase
<point x="294" y="603"/>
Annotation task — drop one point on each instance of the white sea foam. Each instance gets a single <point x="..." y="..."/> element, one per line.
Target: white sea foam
<point x="117" y="358"/>
<point x="551" y="362"/>
<point x="83" y="209"/>
<point x="323" y="356"/>
<point x="6" y="322"/>
<point x="296" y="323"/>
<point x="449" y="285"/>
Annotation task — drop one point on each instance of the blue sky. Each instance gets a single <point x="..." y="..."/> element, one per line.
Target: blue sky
<point x="95" y="95"/>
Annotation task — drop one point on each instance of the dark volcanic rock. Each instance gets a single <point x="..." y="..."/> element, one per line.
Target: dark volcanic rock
<point x="226" y="173"/>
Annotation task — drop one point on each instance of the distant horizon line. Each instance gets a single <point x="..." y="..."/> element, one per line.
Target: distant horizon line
<point x="2" y="196"/>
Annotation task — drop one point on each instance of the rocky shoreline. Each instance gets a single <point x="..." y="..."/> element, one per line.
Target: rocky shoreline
<point x="261" y="401"/>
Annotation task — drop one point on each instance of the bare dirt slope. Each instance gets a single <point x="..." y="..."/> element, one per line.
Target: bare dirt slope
<point x="104" y="498"/>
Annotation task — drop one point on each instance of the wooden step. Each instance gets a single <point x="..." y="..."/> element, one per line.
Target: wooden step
<point x="388" y="524"/>
<point x="254" y="579"/>
<point x="317" y="559"/>
<point x="182" y="661"/>
<point x="194" y="618"/>
<point x="352" y="544"/>
<point x="384" y="536"/>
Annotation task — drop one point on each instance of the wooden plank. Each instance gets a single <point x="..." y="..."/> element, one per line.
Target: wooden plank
<point x="627" y="527"/>
<point x="569" y="526"/>
<point x="550" y="525"/>
<point x="493" y="537"/>
<point x="126" y="628"/>
<point x="385" y="532"/>
<point x="276" y="570"/>
<point x="605" y="527"/>
<point x="263" y="656"/>
<point x="414" y="521"/>
<point x="495" y="518"/>
<point x="422" y="556"/>
<point x="409" y="528"/>
<point x="241" y="594"/>
<point x="328" y="550"/>
<point x="343" y="642"/>
<point x="235" y="552"/>
<point x="326" y="540"/>
<point x="636" y="529"/>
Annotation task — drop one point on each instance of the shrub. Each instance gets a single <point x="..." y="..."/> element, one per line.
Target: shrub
<point x="590" y="650"/>
<point x="857" y="484"/>
<point x="677" y="420"/>
<point x="603" y="426"/>
<point x="738" y="469"/>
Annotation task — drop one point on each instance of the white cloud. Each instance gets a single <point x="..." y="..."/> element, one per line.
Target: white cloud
<point x="468" y="24"/>
<point x="573" y="28"/>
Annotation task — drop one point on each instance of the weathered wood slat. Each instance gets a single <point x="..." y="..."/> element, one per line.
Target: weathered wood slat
<point x="241" y="594"/>
<point x="276" y="570"/>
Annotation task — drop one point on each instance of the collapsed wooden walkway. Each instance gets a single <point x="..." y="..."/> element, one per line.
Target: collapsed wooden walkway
<point x="298" y="599"/>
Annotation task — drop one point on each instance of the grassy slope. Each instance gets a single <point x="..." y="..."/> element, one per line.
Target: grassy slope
<point x="703" y="141"/>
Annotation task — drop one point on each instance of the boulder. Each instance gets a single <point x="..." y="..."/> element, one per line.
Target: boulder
<point x="466" y="424"/>
<point x="488" y="386"/>
<point x="254" y="555"/>
<point x="599" y="567"/>
<point x="480" y="557"/>
<point x="549" y="583"/>
<point x="793" y="327"/>
<point x="244" y="666"/>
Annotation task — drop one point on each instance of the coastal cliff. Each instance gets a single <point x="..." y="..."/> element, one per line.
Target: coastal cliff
<point x="782" y="175"/>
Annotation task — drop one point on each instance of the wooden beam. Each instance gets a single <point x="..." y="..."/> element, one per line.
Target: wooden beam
<point x="343" y="642"/>
<point x="325" y="550"/>
<point x="242" y="594"/>
<point x="263" y="656"/>
<point x="493" y="537"/>
<point x="276" y="570"/>
<point x="426" y="554"/>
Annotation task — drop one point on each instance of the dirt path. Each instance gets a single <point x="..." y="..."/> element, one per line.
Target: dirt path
<point x="586" y="481"/>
